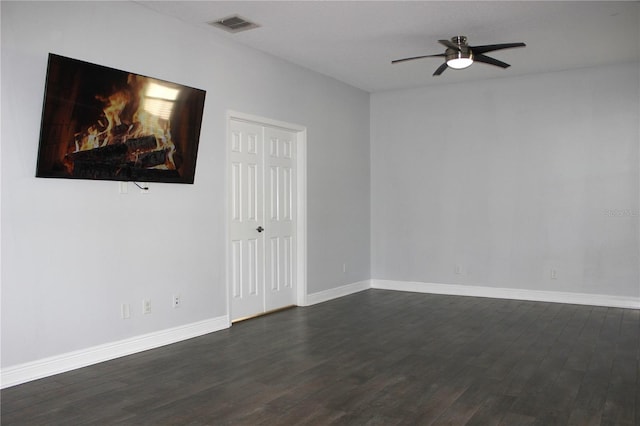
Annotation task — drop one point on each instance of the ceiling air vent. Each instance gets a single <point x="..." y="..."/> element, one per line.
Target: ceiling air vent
<point x="234" y="24"/>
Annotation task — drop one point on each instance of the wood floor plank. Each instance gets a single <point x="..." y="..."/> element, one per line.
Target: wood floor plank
<point x="492" y="410"/>
<point x="373" y="358"/>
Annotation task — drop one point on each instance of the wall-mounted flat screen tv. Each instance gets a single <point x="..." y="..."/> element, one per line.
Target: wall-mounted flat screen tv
<point x="103" y="123"/>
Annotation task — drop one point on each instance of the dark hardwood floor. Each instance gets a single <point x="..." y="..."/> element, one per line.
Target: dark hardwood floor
<point x="372" y="358"/>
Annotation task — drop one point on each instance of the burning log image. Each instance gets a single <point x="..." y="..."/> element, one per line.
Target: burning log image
<point x="102" y="123"/>
<point x="124" y="143"/>
<point x="124" y="159"/>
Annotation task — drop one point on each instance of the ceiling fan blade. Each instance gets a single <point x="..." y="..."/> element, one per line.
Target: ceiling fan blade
<point x="492" y="47"/>
<point x="418" y="57"/>
<point x="440" y="69"/>
<point x="449" y="44"/>
<point x="491" y="61"/>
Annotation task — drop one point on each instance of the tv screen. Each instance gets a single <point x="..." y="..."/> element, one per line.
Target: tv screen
<point x="103" y="123"/>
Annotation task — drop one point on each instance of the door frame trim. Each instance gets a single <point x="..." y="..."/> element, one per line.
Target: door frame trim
<point x="301" y="200"/>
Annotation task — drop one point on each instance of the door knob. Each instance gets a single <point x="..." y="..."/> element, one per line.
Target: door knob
<point x="259" y="229"/>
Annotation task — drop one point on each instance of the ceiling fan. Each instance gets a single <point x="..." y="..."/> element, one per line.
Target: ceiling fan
<point x="459" y="54"/>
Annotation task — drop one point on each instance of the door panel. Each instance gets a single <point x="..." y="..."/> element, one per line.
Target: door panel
<point x="280" y="227"/>
<point x="247" y="244"/>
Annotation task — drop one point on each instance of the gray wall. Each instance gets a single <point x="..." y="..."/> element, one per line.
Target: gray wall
<point x="74" y="250"/>
<point x="509" y="179"/>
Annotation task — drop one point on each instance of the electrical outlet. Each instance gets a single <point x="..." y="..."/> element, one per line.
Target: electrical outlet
<point x="175" y="301"/>
<point x="344" y="268"/>
<point x="458" y="269"/>
<point x="146" y="306"/>
<point x="554" y="274"/>
<point x="125" y="311"/>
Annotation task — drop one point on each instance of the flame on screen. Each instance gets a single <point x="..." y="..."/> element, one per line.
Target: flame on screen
<point x="140" y="110"/>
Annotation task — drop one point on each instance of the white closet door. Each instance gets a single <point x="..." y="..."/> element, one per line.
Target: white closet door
<point x="262" y="218"/>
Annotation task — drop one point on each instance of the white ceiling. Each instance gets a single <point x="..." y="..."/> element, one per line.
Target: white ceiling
<point x="355" y="41"/>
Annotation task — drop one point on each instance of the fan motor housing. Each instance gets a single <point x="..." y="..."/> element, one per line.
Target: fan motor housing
<point x="464" y="52"/>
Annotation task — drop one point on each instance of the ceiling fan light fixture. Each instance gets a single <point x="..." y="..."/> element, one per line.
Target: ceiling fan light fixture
<point x="459" y="59"/>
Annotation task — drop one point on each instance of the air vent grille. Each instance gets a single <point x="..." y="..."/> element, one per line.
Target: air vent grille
<point x="234" y="24"/>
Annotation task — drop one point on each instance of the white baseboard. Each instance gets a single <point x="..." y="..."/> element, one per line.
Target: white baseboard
<point x="38" y="369"/>
<point x="334" y="293"/>
<point x="510" y="293"/>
